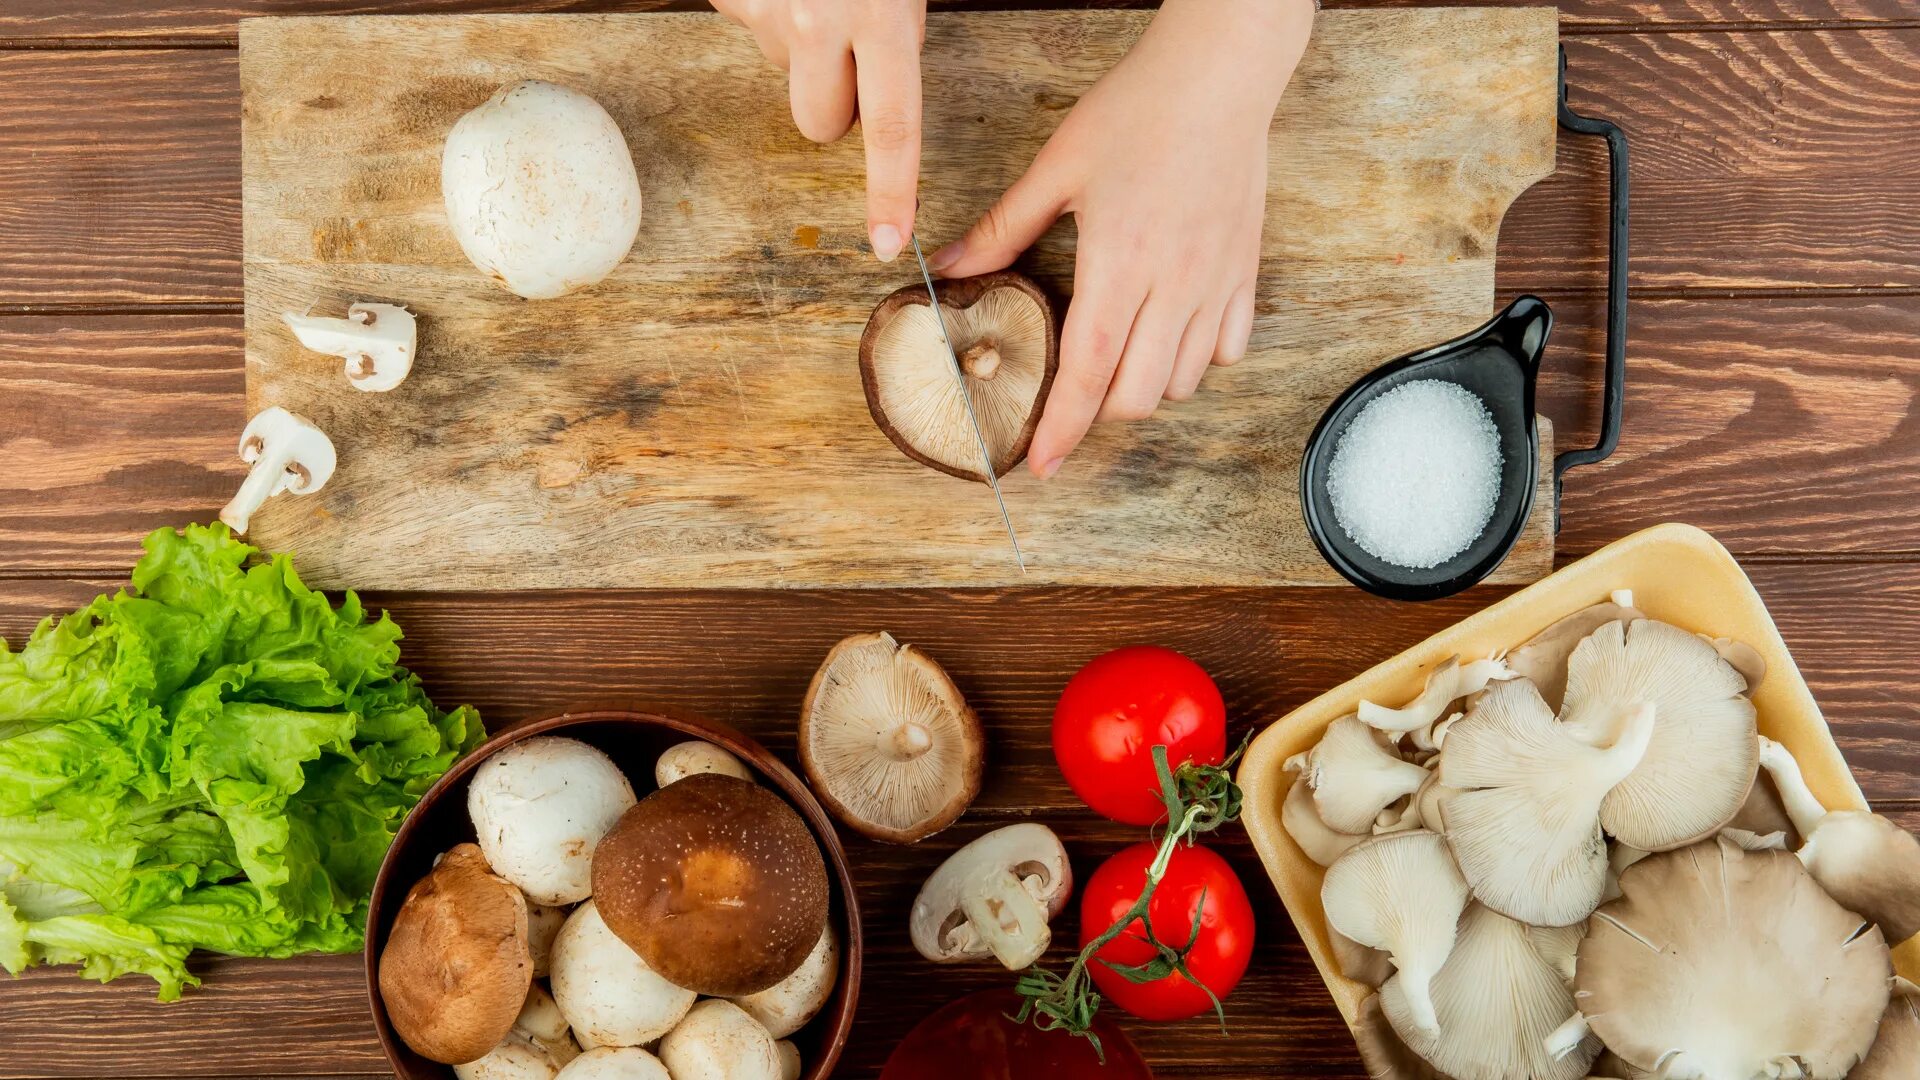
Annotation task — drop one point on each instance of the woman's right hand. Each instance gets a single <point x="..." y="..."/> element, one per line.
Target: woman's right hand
<point x="846" y="55"/>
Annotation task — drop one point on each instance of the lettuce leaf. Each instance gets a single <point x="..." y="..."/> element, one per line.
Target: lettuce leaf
<point x="216" y="759"/>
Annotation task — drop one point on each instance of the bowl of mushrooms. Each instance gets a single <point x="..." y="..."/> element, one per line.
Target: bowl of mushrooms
<point x="1598" y="829"/>
<point x="610" y="893"/>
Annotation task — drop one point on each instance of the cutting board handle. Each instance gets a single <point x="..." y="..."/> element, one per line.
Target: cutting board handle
<point x="1616" y="373"/>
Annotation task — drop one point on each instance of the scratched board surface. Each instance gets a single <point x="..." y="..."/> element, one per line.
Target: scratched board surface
<point x="697" y="419"/>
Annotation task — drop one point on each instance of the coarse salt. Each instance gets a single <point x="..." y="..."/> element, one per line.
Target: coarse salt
<point x="1416" y="474"/>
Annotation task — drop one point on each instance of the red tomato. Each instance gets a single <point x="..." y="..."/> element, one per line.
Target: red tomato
<point x="1220" y="955"/>
<point x="1116" y="710"/>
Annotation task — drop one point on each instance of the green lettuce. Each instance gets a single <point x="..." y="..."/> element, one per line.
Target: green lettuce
<point x="215" y="759"/>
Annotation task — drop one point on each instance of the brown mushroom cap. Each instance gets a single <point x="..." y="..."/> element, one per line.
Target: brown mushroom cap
<point x="715" y="882"/>
<point x="456" y="966"/>
<point x="1003" y="333"/>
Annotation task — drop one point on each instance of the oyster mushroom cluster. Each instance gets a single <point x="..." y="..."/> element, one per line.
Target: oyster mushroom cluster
<point x="591" y="934"/>
<point x="1580" y="858"/>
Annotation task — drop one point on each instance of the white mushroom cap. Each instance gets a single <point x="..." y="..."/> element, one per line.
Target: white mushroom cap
<point x="1864" y="861"/>
<point x="539" y="806"/>
<point x="540" y="189"/>
<point x="994" y="897"/>
<point x="790" y="1064"/>
<point x="288" y="453"/>
<point x="1354" y="775"/>
<point x="888" y="742"/>
<point x="516" y="1058"/>
<point x="1401" y="893"/>
<point x="1542" y="660"/>
<point x="1302" y="822"/>
<point x="681" y="760"/>
<point x="1449" y="681"/>
<point x="378" y="342"/>
<point x="1896" y="1046"/>
<point x="543" y="924"/>
<point x="1493" y="964"/>
<point x="1705" y="750"/>
<point x="1723" y="962"/>
<point x="1525" y="822"/>
<point x="541" y="1021"/>
<point x="615" y="1063"/>
<point x="786" y="1006"/>
<point x="718" y="1041"/>
<point x="609" y="995"/>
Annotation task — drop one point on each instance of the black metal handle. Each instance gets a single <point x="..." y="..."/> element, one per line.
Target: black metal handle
<point x="1611" y="405"/>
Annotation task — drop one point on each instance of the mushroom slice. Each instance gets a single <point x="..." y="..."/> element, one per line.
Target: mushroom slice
<point x="1896" y="1047"/>
<point x="1493" y="964"/>
<point x="994" y="897"/>
<point x="1002" y="330"/>
<point x="887" y="741"/>
<point x="1402" y="893"/>
<point x="1446" y="683"/>
<point x="455" y="970"/>
<point x="1543" y="658"/>
<point x="287" y="453"/>
<point x="1354" y="775"/>
<point x="1302" y="822"/>
<point x="376" y="340"/>
<point x="786" y="1006"/>
<point x="719" y="1041"/>
<point x="1525" y="820"/>
<point x="1705" y="751"/>
<point x="1721" y="962"/>
<point x="1864" y="861"/>
<point x="716" y="882"/>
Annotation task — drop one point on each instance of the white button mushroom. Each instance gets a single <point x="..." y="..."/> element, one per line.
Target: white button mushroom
<point x="543" y="922"/>
<point x="681" y="760"/>
<point x="609" y="996"/>
<point x="540" y="189"/>
<point x="516" y="1058"/>
<point x="995" y="897"/>
<point x="719" y="1041"/>
<point x="615" y="1063"/>
<point x="790" y="1064"/>
<point x="540" y="1020"/>
<point x="376" y="340"/>
<point x="786" y="1006"/>
<point x="288" y="453"/>
<point x="539" y="807"/>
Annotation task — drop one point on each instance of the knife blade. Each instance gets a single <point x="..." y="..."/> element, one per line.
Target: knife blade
<point x="986" y="456"/>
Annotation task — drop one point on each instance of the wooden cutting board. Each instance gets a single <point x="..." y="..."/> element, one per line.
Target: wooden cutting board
<point x="697" y="419"/>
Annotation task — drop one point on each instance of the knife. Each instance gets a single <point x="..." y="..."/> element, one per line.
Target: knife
<point x="986" y="457"/>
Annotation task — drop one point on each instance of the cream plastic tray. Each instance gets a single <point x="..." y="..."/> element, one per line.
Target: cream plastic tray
<point x="1678" y="574"/>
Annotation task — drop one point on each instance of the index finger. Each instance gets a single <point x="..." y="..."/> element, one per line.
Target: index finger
<point x="1099" y="318"/>
<point x="887" y="71"/>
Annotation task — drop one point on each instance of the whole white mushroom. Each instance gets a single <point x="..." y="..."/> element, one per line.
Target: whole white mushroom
<point x="608" y="995"/>
<point x="718" y="1041"/>
<point x="539" y="807"/>
<point x="540" y="189"/>
<point x="615" y="1063"/>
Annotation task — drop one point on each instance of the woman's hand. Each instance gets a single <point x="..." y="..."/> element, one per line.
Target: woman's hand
<point x="1164" y="166"/>
<point x="840" y="54"/>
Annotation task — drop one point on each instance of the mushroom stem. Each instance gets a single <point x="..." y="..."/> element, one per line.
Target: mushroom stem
<point x="981" y="359"/>
<point x="1566" y="1038"/>
<point x="1007" y="918"/>
<point x="1802" y="807"/>
<point x="269" y="466"/>
<point x="906" y="742"/>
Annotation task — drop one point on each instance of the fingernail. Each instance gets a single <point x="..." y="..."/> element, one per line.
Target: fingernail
<point x="886" y="242"/>
<point x="1048" y="468"/>
<point x="947" y="256"/>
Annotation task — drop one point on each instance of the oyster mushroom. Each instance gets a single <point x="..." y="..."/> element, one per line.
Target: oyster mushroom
<point x="455" y="969"/>
<point x="378" y="342"/>
<point x="1542" y="659"/>
<point x="287" y="453"/>
<point x="1449" y="681"/>
<point x="890" y="746"/>
<point x="1361" y="963"/>
<point x="1354" y="775"/>
<point x="1705" y="751"/>
<point x="1864" y="861"/>
<point x="1719" y="961"/>
<point x="1382" y="1052"/>
<point x="1524" y="821"/>
<point x="716" y="882"/>
<point x="1401" y="893"/>
<point x="1302" y="821"/>
<point x="1896" y="1045"/>
<point x="1002" y="331"/>
<point x="539" y="806"/>
<point x="994" y="897"/>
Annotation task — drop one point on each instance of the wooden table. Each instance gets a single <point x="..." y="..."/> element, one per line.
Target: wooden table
<point x="1774" y="371"/>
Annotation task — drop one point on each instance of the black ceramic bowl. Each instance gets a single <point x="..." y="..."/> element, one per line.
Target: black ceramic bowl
<point x="1499" y="362"/>
<point x="633" y="739"/>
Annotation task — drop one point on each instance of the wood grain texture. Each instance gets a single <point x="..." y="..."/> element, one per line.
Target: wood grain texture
<point x="110" y="20"/>
<point x="696" y="418"/>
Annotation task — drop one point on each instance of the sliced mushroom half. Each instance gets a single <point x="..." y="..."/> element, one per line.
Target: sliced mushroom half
<point x="888" y="742"/>
<point x="1002" y="331"/>
<point x="994" y="897"/>
<point x="286" y="453"/>
<point x="378" y="342"/>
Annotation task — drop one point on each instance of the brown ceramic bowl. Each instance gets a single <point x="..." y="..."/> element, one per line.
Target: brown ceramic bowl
<point x="633" y="739"/>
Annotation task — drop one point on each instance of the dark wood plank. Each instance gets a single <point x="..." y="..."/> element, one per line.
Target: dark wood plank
<point x="1762" y="160"/>
<point x="28" y="20"/>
